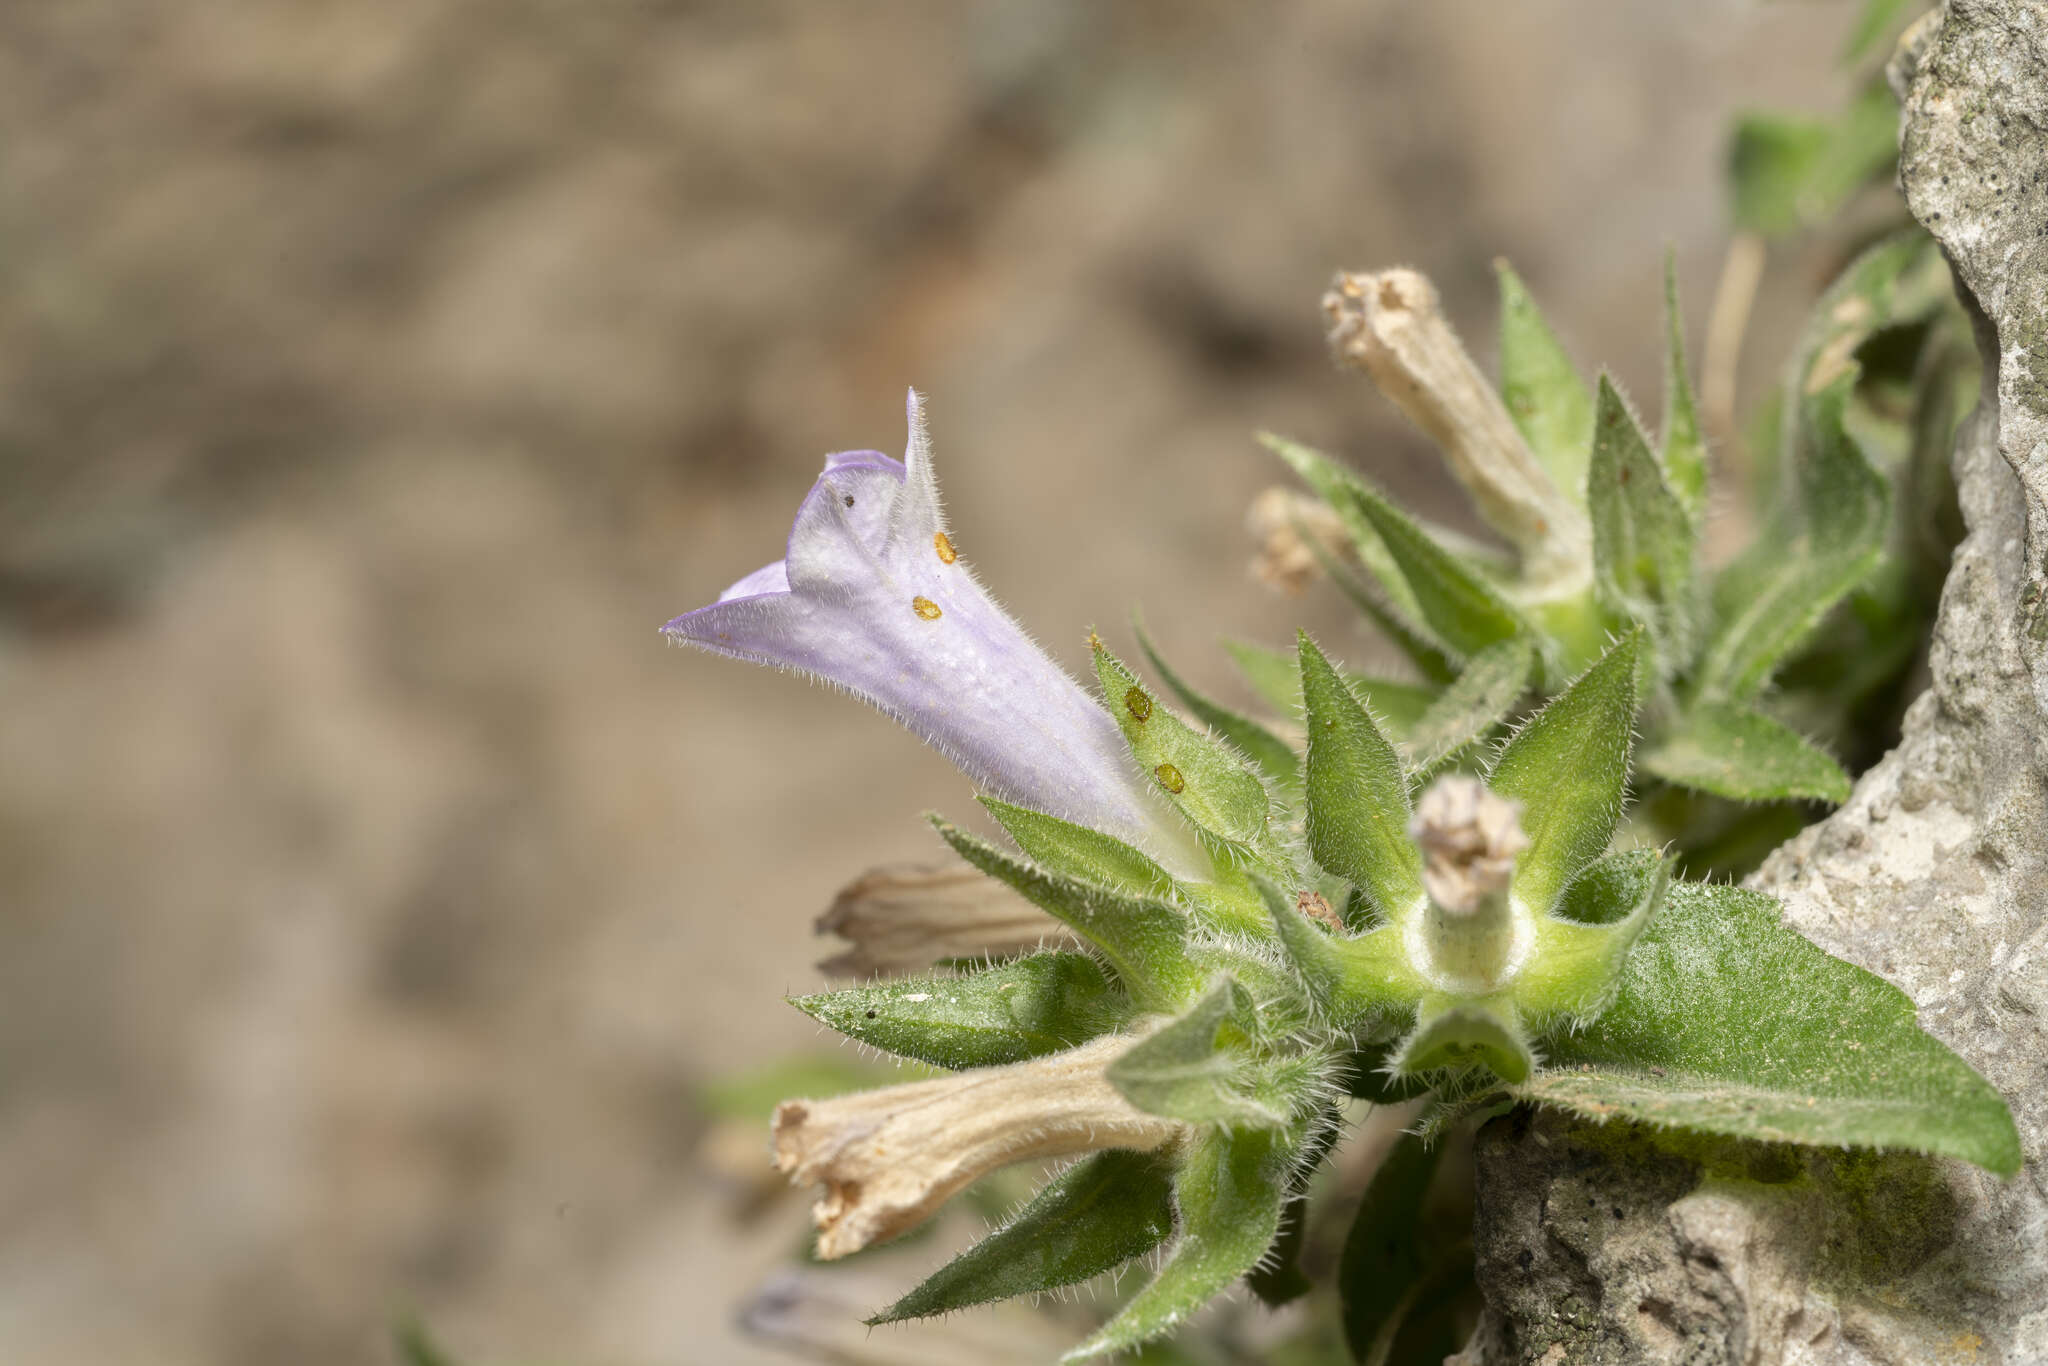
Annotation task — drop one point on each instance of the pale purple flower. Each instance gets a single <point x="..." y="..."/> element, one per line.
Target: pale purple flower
<point x="873" y="597"/>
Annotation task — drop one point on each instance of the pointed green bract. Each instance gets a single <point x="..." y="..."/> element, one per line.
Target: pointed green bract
<point x="1144" y="939"/>
<point x="1274" y="756"/>
<point x="1335" y="485"/>
<point x="1644" y="538"/>
<point x="1731" y="1023"/>
<point x="1357" y="794"/>
<point x="1738" y="752"/>
<point x="1022" y="1009"/>
<point x="1468" y="710"/>
<point x="1568" y="767"/>
<point x="1383" y="1254"/>
<point x="1542" y="389"/>
<point x="1350" y="979"/>
<point x="1081" y="852"/>
<point x="1091" y="1218"/>
<point x="1189" y="1069"/>
<point x="1685" y="445"/>
<point x="1576" y="967"/>
<point x="1230" y="1191"/>
<point x="1464" y="610"/>
<point x="1206" y="780"/>
<point x="1454" y="1037"/>
<point x="1273" y="674"/>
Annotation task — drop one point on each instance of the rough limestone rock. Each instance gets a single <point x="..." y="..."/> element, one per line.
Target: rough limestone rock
<point x="1608" y="1245"/>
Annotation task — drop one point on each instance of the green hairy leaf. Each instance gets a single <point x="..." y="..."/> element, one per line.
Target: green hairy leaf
<point x="1468" y="710"/>
<point x="1737" y="752"/>
<point x="1208" y="781"/>
<point x="1643" y="536"/>
<point x="1091" y="1218"/>
<point x="1274" y="756"/>
<point x="1464" y="610"/>
<point x="1230" y="1191"/>
<point x="1455" y="1037"/>
<point x="1382" y="1268"/>
<point x="1542" y="389"/>
<point x="1022" y="1009"/>
<point x="1188" y="1070"/>
<point x="1351" y="979"/>
<point x="1568" y="767"/>
<point x="1144" y="939"/>
<point x="1576" y="967"/>
<point x="1080" y="852"/>
<point x="1729" y="1022"/>
<point x="1357" y="794"/>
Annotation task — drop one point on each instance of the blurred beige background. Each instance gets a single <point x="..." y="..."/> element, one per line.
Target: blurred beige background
<point x="376" y="891"/>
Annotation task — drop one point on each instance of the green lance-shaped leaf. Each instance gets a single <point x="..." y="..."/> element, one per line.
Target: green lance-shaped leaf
<point x="1207" y="780"/>
<point x="1195" y="1068"/>
<point x="1081" y="852"/>
<point x="1574" y="967"/>
<point x="1772" y="597"/>
<point x="1274" y="756"/>
<point x="1091" y="1218"/>
<point x="1454" y="1036"/>
<point x="1644" y="537"/>
<point x="1273" y="674"/>
<point x="1541" y="387"/>
<point x="1685" y="446"/>
<point x="1351" y="979"/>
<point x="1568" y="767"/>
<point x="1458" y="603"/>
<point x="1729" y="1022"/>
<point x="1021" y="1009"/>
<point x="1357" y="793"/>
<point x="1832" y="511"/>
<point x="1230" y="1191"/>
<point x="1738" y="752"/>
<point x="1144" y="939"/>
<point x="1468" y="710"/>
<point x="1382" y="1267"/>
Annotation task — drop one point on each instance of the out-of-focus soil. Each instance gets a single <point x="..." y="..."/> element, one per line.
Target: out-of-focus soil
<point x="377" y="375"/>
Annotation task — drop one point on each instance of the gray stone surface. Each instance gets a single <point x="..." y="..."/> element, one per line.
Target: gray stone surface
<point x="1597" y="1245"/>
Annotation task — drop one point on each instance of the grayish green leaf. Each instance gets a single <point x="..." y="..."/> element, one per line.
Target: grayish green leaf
<point x="1737" y="752"/>
<point x="1357" y="793"/>
<point x="1022" y="1009"/>
<point x="1274" y="756"/>
<point x="1457" y="602"/>
<point x="1336" y="485"/>
<point x="1230" y="1191"/>
<point x="1541" y="387"/>
<point x="1091" y="1218"/>
<point x="1144" y="939"/>
<point x="1729" y="1022"/>
<point x="1568" y="767"/>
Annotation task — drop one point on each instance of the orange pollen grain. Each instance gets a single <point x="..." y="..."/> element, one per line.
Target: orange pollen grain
<point x="943" y="543"/>
<point x="925" y="608"/>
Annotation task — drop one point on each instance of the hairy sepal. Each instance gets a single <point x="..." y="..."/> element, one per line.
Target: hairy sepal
<point x="1541" y="387"/>
<point x="1199" y="1066"/>
<point x="1274" y="756"/>
<point x="1644" y="536"/>
<point x="1356" y="790"/>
